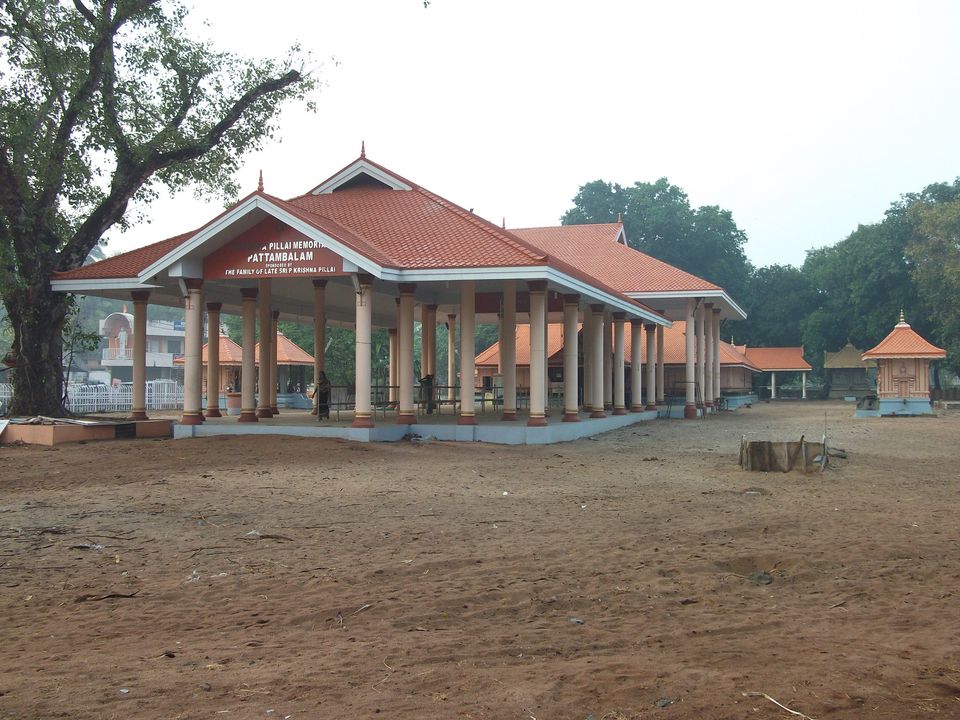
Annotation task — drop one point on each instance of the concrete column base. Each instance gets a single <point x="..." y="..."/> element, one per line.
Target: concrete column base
<point x="138" y="415"/>
<point x="406" y="418"/>
<point x="654" y="407"/>
<point x="213" y="412"/>
<point x="313" y="411"/>
<point x="619" y="411"/>
<point x="191" y="419"/>
<point x="536" y="421"/>
<point x="637" y="408"/>
<point x="362" y="421"/>
<point x="273" y="409"/>
<point x="509" y="415"/>
<point x="598" y="414"/>
<point x="608" y="406"/>
<point x="264" y="413"/>
<point x="466" y="420"/>
<point x="571" y="417"/>
<point x="247" y="416"/>
<point x="689" y="412"/>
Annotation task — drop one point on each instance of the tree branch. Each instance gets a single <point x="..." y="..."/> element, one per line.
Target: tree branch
<point x="130" y="176"/>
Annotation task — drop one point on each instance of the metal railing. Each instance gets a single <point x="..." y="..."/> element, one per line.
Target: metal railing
<point x="84" y="399"/>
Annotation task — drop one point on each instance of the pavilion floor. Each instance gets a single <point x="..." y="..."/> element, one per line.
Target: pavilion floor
<point x="437" y="426"/>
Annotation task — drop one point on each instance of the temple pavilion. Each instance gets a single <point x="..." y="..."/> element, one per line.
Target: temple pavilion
<point x="369" y="248"/>
<point x="903" y="371"/>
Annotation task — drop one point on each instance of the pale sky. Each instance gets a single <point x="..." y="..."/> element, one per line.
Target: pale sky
<point x="804" y="119"/>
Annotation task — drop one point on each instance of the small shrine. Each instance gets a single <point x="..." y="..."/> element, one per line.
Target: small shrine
<point x="848" y="375"/>
<point x="903" y="373"/>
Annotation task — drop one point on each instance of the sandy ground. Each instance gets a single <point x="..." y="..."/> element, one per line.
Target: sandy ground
<point x="294" y="578"/>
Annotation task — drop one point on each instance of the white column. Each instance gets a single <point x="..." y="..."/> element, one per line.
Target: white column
<point x="319" y="330"/>
<point x="607" y="362"/>
<point x="661" y="381"/>
<point x="451" y="357"/>
<point x="653" y="360"/>
<point x="571" y="405"/>
<point x="263" y="377"/>
<point x="274" y="367"/>
<point x="362" y="415"/>
<point x="138" y="406"/>
<point x="636" y="365"/>
<point x="213" y="359"/>
<point x="773" y="386"/>
<point x="708" y="355"/>
<point x="193" y="341"/>
<point x="701" y="353"/>
<point x="248" y="402"/>
<point x="405" y="414"/>
<point x="803" y="385"/>
<point x="597" y="351"/>
<point x="392" y="371"/>
<point x="508" y="350"/>
<point x="538" y="352"/>
<point x="467" y="313"/>
<point x="619" y="365"/>
<point x="716" y="357"/>
<point x="690" y="332"/>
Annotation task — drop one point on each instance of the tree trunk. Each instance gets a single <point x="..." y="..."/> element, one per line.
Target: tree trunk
<point x="37" y="315"/>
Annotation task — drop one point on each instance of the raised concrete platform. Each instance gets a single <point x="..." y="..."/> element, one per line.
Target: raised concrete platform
<point x="489" y="430"/>
<point x="54" y="433"/>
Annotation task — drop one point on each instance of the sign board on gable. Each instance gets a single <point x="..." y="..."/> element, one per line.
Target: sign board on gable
<point x="272" y="249"/>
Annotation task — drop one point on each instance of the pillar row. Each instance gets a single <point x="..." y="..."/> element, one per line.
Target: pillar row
<point x="661" y="377"/>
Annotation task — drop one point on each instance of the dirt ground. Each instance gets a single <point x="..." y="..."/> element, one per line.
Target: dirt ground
<point x="282" y="577"/>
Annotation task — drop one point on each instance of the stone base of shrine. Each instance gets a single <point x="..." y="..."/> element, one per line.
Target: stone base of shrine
<point x="426" y="428"/>
<point x="893" y="407"/>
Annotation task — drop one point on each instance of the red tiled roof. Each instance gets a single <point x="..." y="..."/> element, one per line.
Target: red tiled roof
<point x="413" y="229"/>
<point x="125" y="265"/>
<point x="594" y="249"/>
<point x="788" y="359"/>
<point x="230" y="353"/>
<point x="288" y="352"/>
<point x="674" y="348"/>
<point x="904" y="342"/>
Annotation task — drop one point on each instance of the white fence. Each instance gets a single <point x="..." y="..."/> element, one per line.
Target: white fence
<point x="85" y="399"/>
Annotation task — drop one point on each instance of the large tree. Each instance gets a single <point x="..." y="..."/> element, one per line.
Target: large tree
<point x="104" y="102"/>
<point x="659" y="220"/>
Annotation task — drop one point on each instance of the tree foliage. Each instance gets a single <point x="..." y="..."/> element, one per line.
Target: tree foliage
<point x="103" y="103"/>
